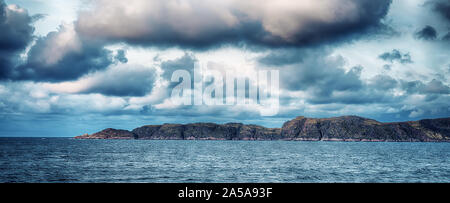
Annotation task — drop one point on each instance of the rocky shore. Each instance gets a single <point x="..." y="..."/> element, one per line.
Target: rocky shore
<point x="345" y="128"/>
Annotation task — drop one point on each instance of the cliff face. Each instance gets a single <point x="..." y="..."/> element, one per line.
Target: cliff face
<point x="194" y="131"/>
<point x="206" y="131"/>
<point x="109" y="134"/>
<point x="353" y="128"/>
<point x="346" y="128"/>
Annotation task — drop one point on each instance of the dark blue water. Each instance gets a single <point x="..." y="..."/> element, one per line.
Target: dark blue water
<point x="69" y="160"/>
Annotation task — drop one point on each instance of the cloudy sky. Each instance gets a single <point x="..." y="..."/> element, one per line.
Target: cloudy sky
<point x="78" y="66"/>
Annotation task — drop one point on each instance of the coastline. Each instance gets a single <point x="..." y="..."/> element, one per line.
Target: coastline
<point x="340" y="129"/>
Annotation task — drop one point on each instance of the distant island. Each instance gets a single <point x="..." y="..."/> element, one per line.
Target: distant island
<point x="345" y="128"/>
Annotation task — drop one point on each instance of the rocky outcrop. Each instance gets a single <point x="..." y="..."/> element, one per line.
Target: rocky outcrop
<point x="206" y="131"/>
<point x="194" y="131"/>
<point x="354" y="128"/>
<point x="109" y="134"/>
<point x="345" y="128"/>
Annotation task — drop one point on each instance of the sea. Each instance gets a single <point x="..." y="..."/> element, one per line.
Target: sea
<point x="67" y="160"/>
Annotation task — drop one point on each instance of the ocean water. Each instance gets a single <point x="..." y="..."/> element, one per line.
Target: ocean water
<point x="70" y="160"/>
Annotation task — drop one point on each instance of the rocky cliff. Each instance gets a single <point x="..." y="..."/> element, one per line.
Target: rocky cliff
<point x="194" y="131"/>
<point x="109" y="134"/>
<point x="346" y="128"/>
<point x="353" y="128"/>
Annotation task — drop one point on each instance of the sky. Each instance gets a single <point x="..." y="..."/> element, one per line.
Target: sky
<point x="78" y="66"/>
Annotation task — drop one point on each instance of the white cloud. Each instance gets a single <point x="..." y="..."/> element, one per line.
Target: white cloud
<point x="59" y="44"/>
<point x="416" y="113"/>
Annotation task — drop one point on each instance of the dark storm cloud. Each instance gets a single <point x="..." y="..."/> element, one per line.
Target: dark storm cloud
<point x="6" y="63"/>
<point x="396" y="55"/>
<point x="186" y="62"/>
<point x="433" y="87"/>
<point x="70" y="67"/>
<point x="283" y="57"/>
<point x="446" y="37"/>
<point x="442" y="7"/>
<point x="427" y="33"/>
<point x="325" y="81"/>
<point x="379" y="89"/>
<point x="207" y="24"/>
<point x="375" y="90"/>
<point x="59" y="56"/>
<point x="383" y="82"/>
<point x="16" y="28"/>
<point x="122" y="80"/>
<point x="319" y="74"/>
<point x="62" y="55"/>
<point x="312" y="67"/>
<point x="16" y="32"/>
<point x="72" y="52"/>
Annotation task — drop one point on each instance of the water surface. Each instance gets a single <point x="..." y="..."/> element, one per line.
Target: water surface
<point x="70" y="160"/>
